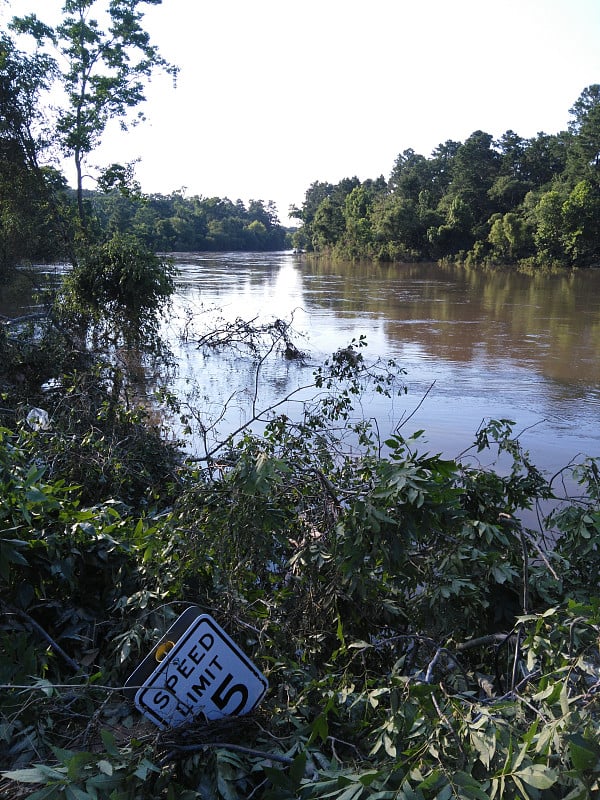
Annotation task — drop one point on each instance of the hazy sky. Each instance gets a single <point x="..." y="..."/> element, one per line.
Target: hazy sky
<point x="274" y="95"/>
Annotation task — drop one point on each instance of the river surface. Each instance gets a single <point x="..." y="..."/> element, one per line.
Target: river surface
<point x="475" y="345"/>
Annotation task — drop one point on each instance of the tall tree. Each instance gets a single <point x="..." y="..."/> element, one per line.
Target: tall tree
<point x="106" y="70"/>
<point x="585" y="125"/>
<point x="410" y="175"/>
<point x="545" y="158"/>
<point x="29" y="224"/>
<point x="442" y="165"/>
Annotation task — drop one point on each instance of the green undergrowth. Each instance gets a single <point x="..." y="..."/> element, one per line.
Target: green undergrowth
<point x="419" y="640"/>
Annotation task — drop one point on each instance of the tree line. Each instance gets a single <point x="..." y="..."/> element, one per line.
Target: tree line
<point x="482" y="201"/>
<point x="175" y="222"/>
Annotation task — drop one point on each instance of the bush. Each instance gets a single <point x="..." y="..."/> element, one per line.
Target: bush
<point x="419" y="641"/>
<point x="122" y="284"/>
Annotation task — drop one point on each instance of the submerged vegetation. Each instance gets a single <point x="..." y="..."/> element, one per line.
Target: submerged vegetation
<point x="420" y="641"/>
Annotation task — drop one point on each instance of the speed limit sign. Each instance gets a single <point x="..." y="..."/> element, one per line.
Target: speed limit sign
<point x="201" y="671"/>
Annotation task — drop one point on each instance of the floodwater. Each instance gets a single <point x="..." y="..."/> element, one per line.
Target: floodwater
<point x="474" y="346"/>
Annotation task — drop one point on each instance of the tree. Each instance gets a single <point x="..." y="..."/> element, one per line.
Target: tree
<point x="508" y="236"/>
<point x="257" y="211"/>
<point x="545" y="158"/>
<point x="29" y="224"/>
<point x="510" y="187"/>
<point x="328" y="224"/>
<point x="105" y="74"/>
<point x="581" y="220"/>
<point x="585" y="126"/>
<point x="456" y="234"/>
<point x="401" y="226"/>
<point x="475" y="168"/>
<point x="511" y="147"/>
<point x="411" y="174"/>
<point x="442" y="167"/>
<point x="314" y="195"/>
<point x="511" y="198"/>
<point x="548" y="221"/>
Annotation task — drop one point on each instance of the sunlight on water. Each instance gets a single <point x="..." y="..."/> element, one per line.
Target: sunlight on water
<point x="474" y="346"/>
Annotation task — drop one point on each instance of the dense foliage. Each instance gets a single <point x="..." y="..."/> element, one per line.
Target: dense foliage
<point x="419" y="640"/>
<point x="30" y="228"/>
<point x="105" y="72"/>
<point x="505" y="201"/>
<point x="191" y="224"/>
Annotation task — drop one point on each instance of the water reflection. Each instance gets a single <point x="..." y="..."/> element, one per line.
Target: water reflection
<point x="492" y="344"/>
<point x="550" y="324"/>
<point x="479" y="344"/>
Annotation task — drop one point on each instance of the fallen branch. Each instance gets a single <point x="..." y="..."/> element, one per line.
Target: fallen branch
<point x="483" y="641"/>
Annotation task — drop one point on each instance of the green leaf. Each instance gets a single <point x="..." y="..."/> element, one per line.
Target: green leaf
<point x="319" y="729"/>
<point x="47" y="793"/>
<point x="551" y="693"/>
<point x="75" y="793"/>
<point x="49" y="772"/>
<point x="34" y="495"/>
<point x="31" y="775"/>
<point x="578" y="793"/>
<point x="389" y="746"/>
<point x="340" y="632"/>
<point x="549" y="612"/>
<point x="109" y="742"/>
<point x="585" y="755"/>
<point x="297" y="769"/>
<point x="12" y="555"/>
<point x="445" y="793"/>
<point x="148" y="554"/>
<point x="145" y="768"/>
<point x="77" y="763"/>
<point x="520" y="788"/>
<point x="277" y="777"/>
<point x="469" y="783"/>
<point x="105" y="766"/>
<point x="564" y="699"/>
<point x="367" y="778"/>
<point x="353" y="792"/>
<point x="538" y="776"/>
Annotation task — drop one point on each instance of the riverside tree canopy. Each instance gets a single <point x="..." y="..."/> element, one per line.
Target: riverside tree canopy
<point x="513" y="200"/>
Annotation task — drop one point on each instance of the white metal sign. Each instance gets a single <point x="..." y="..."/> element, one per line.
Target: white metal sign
<point x="204" y="671"/>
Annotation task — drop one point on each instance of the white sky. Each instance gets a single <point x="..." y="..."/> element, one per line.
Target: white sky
<point x="274" y="95"/>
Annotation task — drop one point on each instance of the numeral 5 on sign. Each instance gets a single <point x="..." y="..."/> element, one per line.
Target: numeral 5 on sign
<point x="202" y="672"/>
